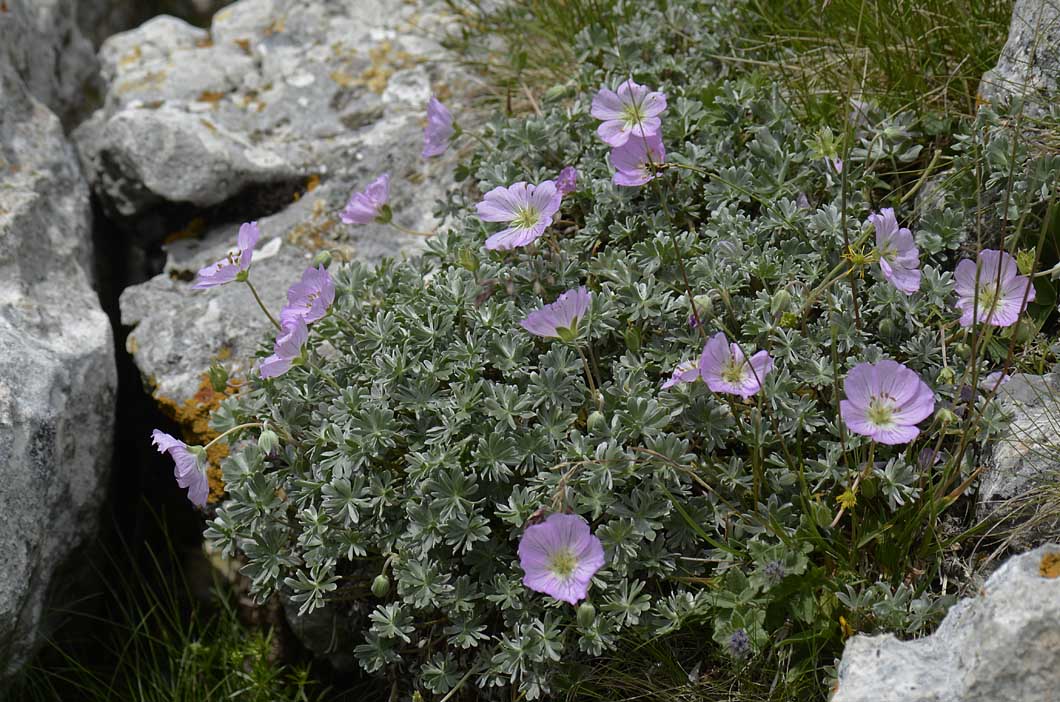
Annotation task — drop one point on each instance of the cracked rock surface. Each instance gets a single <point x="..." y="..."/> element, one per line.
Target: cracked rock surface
<point x="1002" y="646"/>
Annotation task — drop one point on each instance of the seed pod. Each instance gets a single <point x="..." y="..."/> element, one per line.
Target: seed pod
<point x="380" y="586"/>
<point x="946" y="376"/>
<point x="886" y="328"/>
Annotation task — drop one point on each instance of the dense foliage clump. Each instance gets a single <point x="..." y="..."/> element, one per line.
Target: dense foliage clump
<point x="425" y="428"/>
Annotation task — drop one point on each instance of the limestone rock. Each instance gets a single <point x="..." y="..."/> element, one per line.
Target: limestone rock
<point x="276" y="92"/>
<point x="57" y="372"/>
<point x="284" y="107"/>
<point x="42" y="41"/>
<point x="1002" y="646"/>
<point x="1025" y="459"/>
<point x="1029" y="65"/>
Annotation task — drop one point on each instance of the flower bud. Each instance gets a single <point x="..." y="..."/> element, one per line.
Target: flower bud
<point x="946" y="416"/>
<point x="268" y="441"/>
<point x="780" y="302"/>
<point x="963" y="350"/>
<point x="789" y="320"/>
<point x="633" y="339"/>
<point x="218" y="377"/>
<point x="323" y="258"/>
<point x="380" y="586"/>
<point x="886" y="328"/>
<point x="946" y="376"/>
<point x="597" y="423"/>
<point x="704" y="306"/>
<point x="1024" y="330"/>
<point x="586" y="615"/>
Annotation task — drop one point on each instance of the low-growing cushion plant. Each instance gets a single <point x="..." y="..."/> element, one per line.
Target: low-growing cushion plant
<point x="755" y="393"/>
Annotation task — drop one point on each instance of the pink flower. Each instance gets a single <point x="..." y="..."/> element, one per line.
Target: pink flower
<point x="228" y="268"/>
<point x="310" y="297"/>
<point x="560" y="556"/>
<point x="685" y="372"/>
<point x="185" y="466"/>
<point x="560" y="319"/>
<point x="633" y="111"/>
<point x="528" y="210"/>
<point x="899" y="256"/>
<point x="369" y="206"/>
<point x="567" y="182"/>
<point x="288" y="346"/>
<point x="885" y="401"/>
<point x="439" y="129"/>
<point x="635" y="159"/>
<point x="724" y="368"/>
<point x="1002" y="292"/>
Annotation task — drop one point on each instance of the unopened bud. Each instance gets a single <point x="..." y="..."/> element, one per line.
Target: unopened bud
<point x="963" y="350"/>
<point x="946" y="376"/>
<point x="886" y="328"/>
<point x="596" y="423"/>
<point x="1024" y="330"/>
<point x="780" y="302"/>
<point x="218" y="377"/>
<point x="380" y="586"/>
<point x="268" y="442"/>
<point x="323" y="258"/>
<point x="633" y="339"/>
<point x="586" y="615"/>
<point x="946" y="416"/>
<point x="704" y="307"/>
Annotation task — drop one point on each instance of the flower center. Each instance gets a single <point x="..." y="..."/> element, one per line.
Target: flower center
<point x="881" y="411"/>
<point x="988" y="298"/>
<point x="562" y="563"/>
<point x="632" y="114"/>
<point x="733" y="371"/>
<point x="526" y="218"/>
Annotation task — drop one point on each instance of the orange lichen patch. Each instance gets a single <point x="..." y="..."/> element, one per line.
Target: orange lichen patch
<point x="385" y="62"/>
<point x="192" y="230"/>
<point x="276" y="27"/>
<point x="344" y="79"/>
<point x="243" y="44"/>
<point x="205" y="43"/>
<point x="1050" y="566"/>
<point x="312" y="183"/>
<point x="193" y="416"/>
<point x="211" y="96"/>
<point x="151" y="80"/>
<point x="208" y="124"/>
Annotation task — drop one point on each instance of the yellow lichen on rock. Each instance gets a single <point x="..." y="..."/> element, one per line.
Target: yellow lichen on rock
<point x="1049" y="567"/>
<point x="193" y="416"/>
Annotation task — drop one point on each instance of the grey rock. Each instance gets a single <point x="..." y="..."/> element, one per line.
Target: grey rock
<point x="57" y="372"/>
<point x="1025" y="459"/>
<point x="296" y="94"/>
<point x="1002" y="646"/>
<point x="278" y="91"/>
<point x="42" y="41"/>
<point x="1029" y="65"/>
